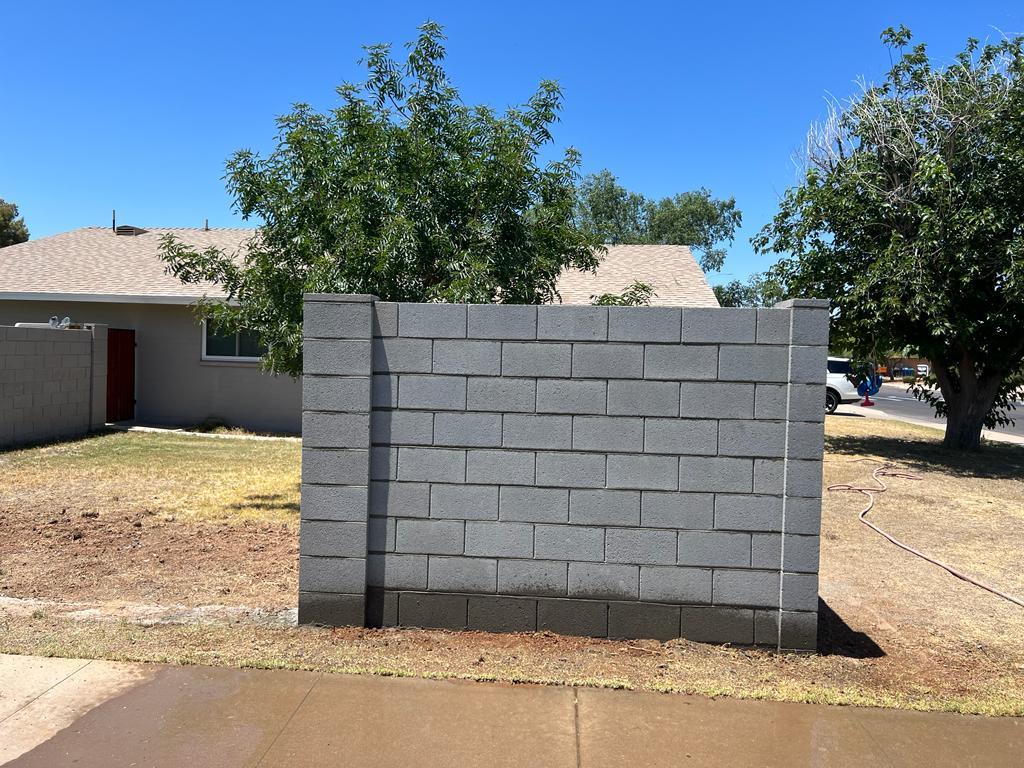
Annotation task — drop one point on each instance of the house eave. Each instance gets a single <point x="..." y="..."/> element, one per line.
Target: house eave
<point x="100" y="298"/>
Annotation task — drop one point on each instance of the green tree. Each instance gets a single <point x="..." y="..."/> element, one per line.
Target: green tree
<point x="638" y="294"/>
<point x="614" y="214"/>
<point x="401" y="191"/>
<point x="12" y="227"/>
<point x="759" y="290"/>
<point x="909" y="221"/>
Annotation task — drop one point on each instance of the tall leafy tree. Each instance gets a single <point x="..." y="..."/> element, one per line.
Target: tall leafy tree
<point x="909" y="220"/>
<point x="759" y="290"/>
<point x="12" y="226"/>
<point x="402" y="191"/>
<point x="695" y="218"/>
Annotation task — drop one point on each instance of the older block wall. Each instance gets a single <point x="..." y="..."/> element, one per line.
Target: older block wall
<point x="52" y="383"/>
<point x="622" y="471"/>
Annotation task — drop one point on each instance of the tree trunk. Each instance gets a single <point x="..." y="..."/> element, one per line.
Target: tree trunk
<point x="967" y="405"/>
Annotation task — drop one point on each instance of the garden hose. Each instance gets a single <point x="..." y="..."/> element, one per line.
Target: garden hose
<point x="886" y="469"/>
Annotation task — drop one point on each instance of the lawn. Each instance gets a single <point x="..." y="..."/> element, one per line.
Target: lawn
<point x="895" y="630"/>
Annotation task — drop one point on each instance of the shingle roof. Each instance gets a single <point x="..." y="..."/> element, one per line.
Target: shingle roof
<point x="671" y="270"/>
<point x="94" y="263"/>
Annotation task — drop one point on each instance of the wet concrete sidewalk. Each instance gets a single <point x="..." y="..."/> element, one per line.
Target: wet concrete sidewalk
<point x="57" y="712"/>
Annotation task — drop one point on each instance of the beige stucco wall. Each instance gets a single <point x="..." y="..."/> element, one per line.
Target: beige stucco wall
<point x="173" y="385"/>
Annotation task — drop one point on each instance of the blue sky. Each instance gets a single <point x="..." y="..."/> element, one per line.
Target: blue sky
<point x="136" y="106"/>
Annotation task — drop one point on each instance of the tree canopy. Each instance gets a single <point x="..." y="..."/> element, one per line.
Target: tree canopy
<point x="12" y="227"/>
<point x="402" y="191"/>
<point x="909" y="220"/>
<point x="614" y="214"/>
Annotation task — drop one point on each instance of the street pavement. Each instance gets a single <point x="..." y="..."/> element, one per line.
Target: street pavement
<point x="895" y="403"/>
<point x="92" y="714"/>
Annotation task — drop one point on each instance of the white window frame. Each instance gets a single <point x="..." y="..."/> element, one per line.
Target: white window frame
<point x="224" y="358"/>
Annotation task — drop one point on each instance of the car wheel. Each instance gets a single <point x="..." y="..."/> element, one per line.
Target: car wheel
<point x="831" y="401"/>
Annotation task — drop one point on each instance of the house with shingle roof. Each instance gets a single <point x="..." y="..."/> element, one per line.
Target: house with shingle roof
<point x="173" y="369"/>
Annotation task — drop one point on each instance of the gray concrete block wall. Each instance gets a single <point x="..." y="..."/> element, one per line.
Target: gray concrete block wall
<point x="637" y="472"/>
<point x="52" y="383"/>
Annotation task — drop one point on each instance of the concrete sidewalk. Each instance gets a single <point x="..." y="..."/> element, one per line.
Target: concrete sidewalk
<point x="56" y="712"/>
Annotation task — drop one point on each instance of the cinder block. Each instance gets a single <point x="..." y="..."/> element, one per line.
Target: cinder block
<point x="385" y="318"/>
<point x="399" y="499"/>
<point x="807" y="402"/>
<point x="343" y="358"/>
<point x="503" y="614"/>
<point x="474" y="430"/>
<point x="758" y="589"/>
<point x="585" y="618"/>
<point x="803" y="479"/>
<point x="799" y="631"/>
<point x="765" y="439"/>
<point x="499" y="539"/>
<point x="717" y="625"/>
<point x="643" y="620"/>
<point x="604" y="581"/>
<point x="328" y="467"/>
<point x="649" y="324"/>
<point x="441" y="393"/>
<point x="766" y="626"/>
<point x="770" y="401"/>
<point x="643" y="398"/>
<point x="437" y="321"/>
<point x="715" y="474"/>
<point x="402" y="428"/>
<point x="501" y="394"/>
<point x="464" y="502"/>
<point x="714" y="548"/>
<point x="677" y="510"/>
<point x="748" y="512"/>
<point x="803" y="516"/>
<point x="604" y="507"/>
<point x="747" y="363"/>
<point x="538" y="432"/>
<point x="608" y="433"/>
<point x="572" y="323"/>
<point x="806" y="440"/>
<point x="809" y="365"/>
<point x="380" y="535"/>
<point x="608" y="361"/>
<point x="335" y="430"/>
<point x="334" y="502"/>
<point x="561" y="396"/>
<point x="675" y="585"/>
<point x="383" y="463"/>
<point x="572" y="470"/>
<point x="568" y="542"/>
<point x="329" y="610"/>
<point x="500" y="467"/>
<point x="680" y="361"/>
<point x="646" y="546"/>
<point x="462" y="574"/>
<point x="434" y="537"/>
<point x="800" y="591"/>
<point x="532" y="577"/>
<point x="773" y="325"/>
<point x="394" y="571"/>
<point x="534" y="359"/>
<point x="342" y="320"/>
<point x="432" y="465"/>
<point x="726" y="325"/>
<point x="768" y="476"/>
<point x="534" y="505"/>
<point x="502" y="321"/>
<point x="811" y="327"/>
<point x="416" y="609"/>
<point x="336" y="393"/>
<point x="715" y="400"/>
<point x="332" y="574"/>
<point x="384" y="391"/>
<point x="645" y="472"/>
<point x="381" y="608"/>
<point x="401" y="355"/>
<point x="689" y="436"/>
<point x="801" y="552"/>
<point x="481" y="358"/>
<point x="327" y="538"/>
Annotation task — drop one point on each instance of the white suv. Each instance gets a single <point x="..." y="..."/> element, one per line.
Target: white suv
<point x="838" y="387"/>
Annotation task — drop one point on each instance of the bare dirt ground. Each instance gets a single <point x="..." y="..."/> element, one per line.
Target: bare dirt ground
<point x="104" y="548"/>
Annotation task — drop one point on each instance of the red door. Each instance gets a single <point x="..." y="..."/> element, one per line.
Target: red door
<point x="120" y="375"/>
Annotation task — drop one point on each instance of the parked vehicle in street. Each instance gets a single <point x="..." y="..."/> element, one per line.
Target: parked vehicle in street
<point x="839" y="384"/>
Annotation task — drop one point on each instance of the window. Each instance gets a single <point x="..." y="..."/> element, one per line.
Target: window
<point x="840" y="366"/>
<point x="243" y="346"/>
